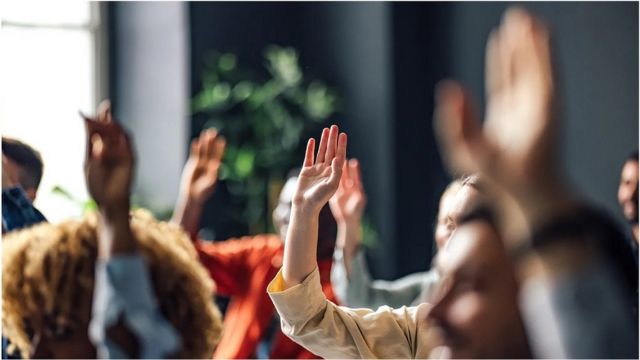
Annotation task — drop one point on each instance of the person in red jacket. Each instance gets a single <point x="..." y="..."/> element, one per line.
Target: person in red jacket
<point x="242" y="268"/>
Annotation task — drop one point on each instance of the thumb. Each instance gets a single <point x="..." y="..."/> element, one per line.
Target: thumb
<point x="97" y="147"/>
<point x="458" y="131"/>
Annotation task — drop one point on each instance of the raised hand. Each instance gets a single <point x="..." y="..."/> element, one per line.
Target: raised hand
<point x="200" y="173"/>
<point x="317" y="182"/>
<point x="108" y="170"/>
<point x="319" y="178"/>
<point x="515" y="149"/>
<point x="347" y="205"/>
<point x="515" y="145"/>
<point x="109" y="161"/>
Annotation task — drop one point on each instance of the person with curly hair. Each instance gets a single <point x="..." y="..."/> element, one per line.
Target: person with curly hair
<point x="111" y="284"/>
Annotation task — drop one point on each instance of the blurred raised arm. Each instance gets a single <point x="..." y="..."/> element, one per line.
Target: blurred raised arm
<point x="199" y="179"/>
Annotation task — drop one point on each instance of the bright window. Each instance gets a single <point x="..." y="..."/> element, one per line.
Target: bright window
<point x="50" y="69"/>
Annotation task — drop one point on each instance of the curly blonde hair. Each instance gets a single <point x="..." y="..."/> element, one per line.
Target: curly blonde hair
<point x="50" y="269"/>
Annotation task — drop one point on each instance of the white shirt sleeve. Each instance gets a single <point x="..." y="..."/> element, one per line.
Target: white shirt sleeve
<point x="123" y="290"/>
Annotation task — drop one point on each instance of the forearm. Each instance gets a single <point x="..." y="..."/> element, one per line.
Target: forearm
<point x="300" y="246"/>
<point x="114" y="233"/>
<point x="348" y="240"/>
<point x="126" y="321"/>
<point x="188" y="213"/>
<point x="332" y="331"/>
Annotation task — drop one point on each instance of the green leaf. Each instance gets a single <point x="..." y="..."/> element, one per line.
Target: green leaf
<point x="227" y="62"/>
<point x="244" y="162"/>
<point x="283" y="65"/>
<point x="220" y="93"/>
<point x="242" y="90"/>
<point x="59" y="190"/>
<point x="89" y="206"/>
<point x="320" y="101"/>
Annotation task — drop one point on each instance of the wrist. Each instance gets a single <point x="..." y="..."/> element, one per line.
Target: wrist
<point x="349" y="223"/>
<point x="196" y="200"/>
<point x="187" y="197"/>
<point x="115" y="235"/>
<point x="304" y="210"/>
<point x="349" y="238"/>
<point x="115" y="213"/>
<point x="349" y="251"/>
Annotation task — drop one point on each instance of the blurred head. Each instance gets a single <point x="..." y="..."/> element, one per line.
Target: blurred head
<point x="47" y="287"/>
<point x="442" y="232"/>
<point x="628" y="189"/>
<point x="327" y="226"/>
<point x="459" y="196"/>
<point x="24" y="164"/>
<point x="476" y="310"/>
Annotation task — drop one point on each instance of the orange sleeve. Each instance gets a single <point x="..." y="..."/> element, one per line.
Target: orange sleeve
<point x="230" y="262"/>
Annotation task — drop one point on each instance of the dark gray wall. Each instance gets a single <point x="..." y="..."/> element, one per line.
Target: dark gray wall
<point x="353" y="49"/>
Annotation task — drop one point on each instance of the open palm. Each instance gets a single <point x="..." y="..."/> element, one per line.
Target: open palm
<point x="109" y="160"/>
<point x="200" y="173"/>
<point x="347" y="205"/>
<point x="520" y="88"/>
<point x="320" y="178"/>
<point x="515" y="144"/>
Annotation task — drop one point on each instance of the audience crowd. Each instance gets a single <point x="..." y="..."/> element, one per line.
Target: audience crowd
<point x="524" y="268"/>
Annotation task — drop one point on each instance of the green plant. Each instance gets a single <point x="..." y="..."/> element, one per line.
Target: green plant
<point x="265" y="116"/>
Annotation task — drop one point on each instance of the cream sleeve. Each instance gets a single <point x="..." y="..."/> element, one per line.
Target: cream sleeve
<point x="332" y="331"/>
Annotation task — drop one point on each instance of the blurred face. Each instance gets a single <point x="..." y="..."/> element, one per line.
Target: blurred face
<point x="476" y="310"/>
<point x="452" y="206"/>
<point x="326" y="222"/>
<point x="14" y="172"/>
<point x="282" y="212"/>
<point x="628" y="191"/>
<point x="442" y="231"/>
<point x="67" y="342"/>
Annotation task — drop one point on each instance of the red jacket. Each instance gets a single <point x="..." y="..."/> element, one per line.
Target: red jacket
<point x="242" y="269"/>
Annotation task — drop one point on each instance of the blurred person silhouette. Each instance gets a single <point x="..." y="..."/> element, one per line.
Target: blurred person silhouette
<point x="242" y="268"/>
<point x="21" y="174"/>
<point x="109" y="285"/>
<point x="578" y="279"/>
<point x="23" y="164"/>
<point x="350" y="275"/>
<point x="17" y="212"/>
